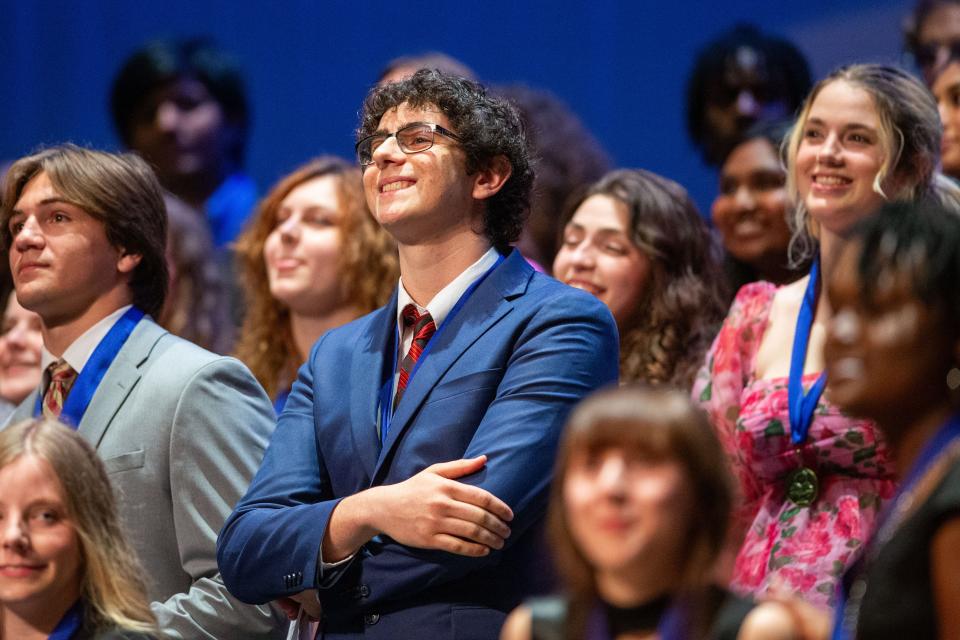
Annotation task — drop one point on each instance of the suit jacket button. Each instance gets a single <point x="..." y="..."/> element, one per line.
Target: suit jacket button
<point x="371" y="618"/>
<point x="364" y="591"/>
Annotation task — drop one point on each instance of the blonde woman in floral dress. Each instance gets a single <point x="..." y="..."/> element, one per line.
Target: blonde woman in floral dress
<point x="812" y="479"/>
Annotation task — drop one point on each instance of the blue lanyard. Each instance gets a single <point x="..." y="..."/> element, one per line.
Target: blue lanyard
<point x="69" y="624"/>
<point x="802" y="405"/>
<point x="386" y="391"/>
<point x="100" y="360"/>
<point x="928" y="456"/>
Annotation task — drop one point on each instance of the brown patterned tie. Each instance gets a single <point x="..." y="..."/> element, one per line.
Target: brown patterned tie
<point x="423" y="330"/>
<point x="61" y="376"/>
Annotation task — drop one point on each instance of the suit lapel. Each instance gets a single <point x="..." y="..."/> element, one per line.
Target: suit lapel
<point x="371" y="357"/>
<point x="485" y="308"/>
<point x="119" y="381"/>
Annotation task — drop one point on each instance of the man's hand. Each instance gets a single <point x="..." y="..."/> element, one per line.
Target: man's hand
<point x="430" y="510"/>
<point x="306" y="599"/>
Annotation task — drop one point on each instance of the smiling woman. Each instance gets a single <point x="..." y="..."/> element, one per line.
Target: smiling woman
<point x="637" y="518"/>
<point x="66" y="570"/>
<point x="20" y="344"/>
<point x="892" y="352"/>
<point x="813" y="479"/>
<point x="637" y="242"/>
<point x="312" y="259"/>
<point x="752" y="207"/>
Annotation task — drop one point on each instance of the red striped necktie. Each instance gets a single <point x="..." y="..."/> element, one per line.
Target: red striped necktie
<point x="423" y="330"/>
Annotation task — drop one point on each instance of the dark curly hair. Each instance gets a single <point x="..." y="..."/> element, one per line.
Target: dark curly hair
<point x="683" y="305"/>
<point x="786" y="67"/>
<point x="487" y="126"/>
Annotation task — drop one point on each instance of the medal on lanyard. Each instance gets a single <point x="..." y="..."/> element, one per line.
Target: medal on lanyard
<point x="803" y="486"/>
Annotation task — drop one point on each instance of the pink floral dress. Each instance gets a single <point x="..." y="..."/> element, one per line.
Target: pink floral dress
<point x="788" y="547"/>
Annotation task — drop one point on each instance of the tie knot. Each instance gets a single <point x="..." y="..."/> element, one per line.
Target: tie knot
<point x="60" y="370"/>
<point x="412" y="317"/>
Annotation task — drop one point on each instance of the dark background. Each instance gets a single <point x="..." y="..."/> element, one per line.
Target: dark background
<point x="621" y="66"/>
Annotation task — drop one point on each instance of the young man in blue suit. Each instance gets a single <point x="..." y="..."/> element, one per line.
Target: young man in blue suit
<point x="180" y="430"/>
<point x="408" y="475"/>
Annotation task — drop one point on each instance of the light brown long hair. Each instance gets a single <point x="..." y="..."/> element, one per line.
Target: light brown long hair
<point x="663" y="424"/>
<point x="118" y="189"/>
<point x="368" y="267"/>
<point x="112" y="587"/>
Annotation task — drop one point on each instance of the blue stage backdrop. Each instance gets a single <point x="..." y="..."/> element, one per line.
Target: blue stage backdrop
<point x="621" y="66"/>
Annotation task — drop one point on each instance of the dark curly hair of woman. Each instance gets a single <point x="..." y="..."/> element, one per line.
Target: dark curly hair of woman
<point x="488" y="127"/>
<point x="683" y="304"/>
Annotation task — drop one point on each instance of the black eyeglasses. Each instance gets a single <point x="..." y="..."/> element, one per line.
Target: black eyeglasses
<point x="412" y="138"/>
<point x="933" y="56"/>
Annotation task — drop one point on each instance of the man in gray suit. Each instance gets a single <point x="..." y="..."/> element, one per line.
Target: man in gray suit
<point x="181" y="430"/>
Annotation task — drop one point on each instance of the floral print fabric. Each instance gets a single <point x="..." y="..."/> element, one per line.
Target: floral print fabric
<point x="786" y="547"/>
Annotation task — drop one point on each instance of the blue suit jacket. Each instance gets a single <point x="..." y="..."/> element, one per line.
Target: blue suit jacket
<point x="500" y="381"/>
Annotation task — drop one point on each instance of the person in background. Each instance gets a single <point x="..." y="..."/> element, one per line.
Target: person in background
<point x="813" y="479"/>
<point x="198" y="305"/>
<point x="182" y="105"/>
<point x="946" y="89"/>
<point x="931" y="36"/>
<point x="180" y="430"/>
<point x="892" y="355"/>
<point x="932" y="41"/>
<point x="66" y="570"/>
<point x="20" y="345"/>
<point x="752" y="208"/>
<point x="638" y="515"/>
<point x="637" y="242"/>
<point x="567" y="159"/>
<point x="405" y="66"/>
<point x="313" y="258"/>
<point x="742" y="77"/>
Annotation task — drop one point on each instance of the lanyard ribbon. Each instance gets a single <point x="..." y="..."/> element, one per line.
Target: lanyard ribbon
<point x="100" y="360"/>
<point x="929" y="455"/>
<point x="69" y="624"/>
<point x="802" y="405"/>
<point x="386" y="391"/>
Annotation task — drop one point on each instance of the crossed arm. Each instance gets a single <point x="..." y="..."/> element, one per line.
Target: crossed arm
<point x="447" y="520"/>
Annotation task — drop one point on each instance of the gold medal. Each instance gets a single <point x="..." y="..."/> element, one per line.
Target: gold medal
<point x="802" y="486"/>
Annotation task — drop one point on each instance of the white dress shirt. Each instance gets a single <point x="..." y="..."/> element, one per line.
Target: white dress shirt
<point x="82" y="348"/>
<point x="441" y="304"/>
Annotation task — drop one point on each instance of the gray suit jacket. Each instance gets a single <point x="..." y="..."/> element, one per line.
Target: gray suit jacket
<point x="181" y="432"/>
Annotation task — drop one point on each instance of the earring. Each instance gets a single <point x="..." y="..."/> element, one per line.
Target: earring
<point x="953" y="378"/>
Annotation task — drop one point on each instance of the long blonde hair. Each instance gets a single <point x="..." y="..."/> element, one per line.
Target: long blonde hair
<point x="910" y="133"/>
<point x="112" y="588"/>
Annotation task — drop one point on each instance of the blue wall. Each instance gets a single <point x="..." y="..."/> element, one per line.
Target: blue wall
<point x="620" y="65"/>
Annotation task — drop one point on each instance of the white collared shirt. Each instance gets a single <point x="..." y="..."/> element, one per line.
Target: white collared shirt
<point x="82" y="348"/>
<point x="441" y="304"/>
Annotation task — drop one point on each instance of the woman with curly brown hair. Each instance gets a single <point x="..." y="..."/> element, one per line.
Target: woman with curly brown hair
<point x="312" y="259"/>
<point x="637" y="242"/>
